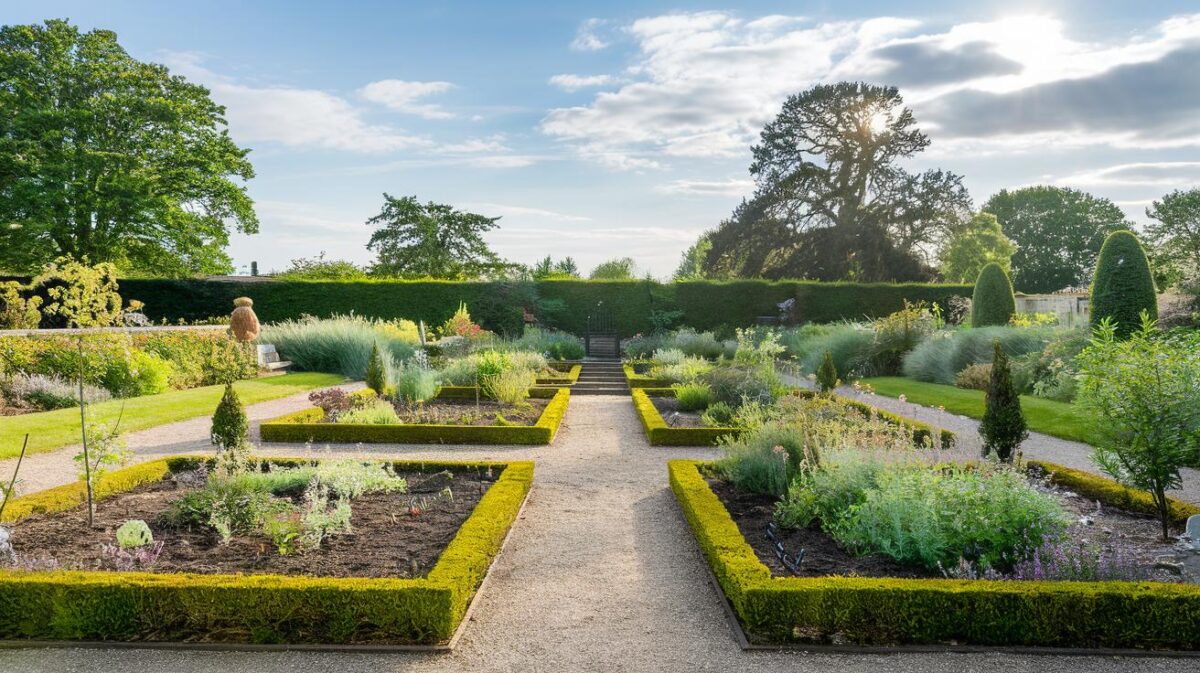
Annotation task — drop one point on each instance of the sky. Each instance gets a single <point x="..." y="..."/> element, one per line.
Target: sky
<point x="614" y="129"/>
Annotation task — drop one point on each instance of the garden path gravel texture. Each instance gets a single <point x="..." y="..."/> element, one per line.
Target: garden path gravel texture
<point x="601" y="573"/>
<point x="1038" y="447"/>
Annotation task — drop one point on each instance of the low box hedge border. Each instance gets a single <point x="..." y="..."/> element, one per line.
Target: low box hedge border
<point x="102" y="606"/>
<point x="923" y="433"/>
<point x="887" y="611"/>
<point x="306" y="426"/>
<point x="1111" y="493"/>
<point x="569" y="375"/>
<point x="660" y="434"/>
<point x="642" y="380"/>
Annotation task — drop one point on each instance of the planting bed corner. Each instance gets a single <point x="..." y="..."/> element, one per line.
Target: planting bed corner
<point x="773" y="611"/>
<point x="307" y="426"/>
<point x="233" y="610"/>
<point x="567" y="374"/>
<point x="637" y="380"/>
<point x="661" y="434"/>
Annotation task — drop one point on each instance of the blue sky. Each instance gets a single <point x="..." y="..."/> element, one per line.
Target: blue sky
<point x="610" y="129"/>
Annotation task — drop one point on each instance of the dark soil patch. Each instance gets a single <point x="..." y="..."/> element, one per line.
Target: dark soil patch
<point x="1136" y="535"/>
<point x="668" y="408"/>
<point x="386" y="540"/>
<point x="468" y="412"/>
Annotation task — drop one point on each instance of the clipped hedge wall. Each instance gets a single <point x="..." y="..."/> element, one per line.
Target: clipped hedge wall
<point x="704" y="304"/>
<point x="661" y="434"/>
<point x="141" y="606"/>
<point x="885" y="611"/>
<point x="306" y="426"/>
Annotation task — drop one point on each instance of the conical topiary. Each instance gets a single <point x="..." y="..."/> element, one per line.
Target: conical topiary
<point x="1003" y="426"/>
<point x="993" y="302"/>
<point x="827" y="375"/>
<point x="376" y="374"/>
<point x="1123" y="287"/>
<point x="230" y="429"/>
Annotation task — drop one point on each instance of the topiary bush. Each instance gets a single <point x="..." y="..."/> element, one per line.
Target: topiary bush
<point x="376" y="373"/>
<point x="1003" y="426"/>
<point x="827" y="376"/>
<point x="993" y="302"/>
<point x="230" y="429"/>
<point x="1123" y="287"/>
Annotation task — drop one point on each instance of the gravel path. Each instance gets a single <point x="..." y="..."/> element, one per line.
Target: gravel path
<point x="600" y="574"/>
<point x="1039" y="446"/>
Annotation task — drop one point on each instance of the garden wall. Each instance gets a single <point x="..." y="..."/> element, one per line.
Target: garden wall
<point x="704" y="304"/>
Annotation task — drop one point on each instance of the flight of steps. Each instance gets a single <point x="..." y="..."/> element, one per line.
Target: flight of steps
<point x="601" y="377"/>
<point x="268" y="359"/>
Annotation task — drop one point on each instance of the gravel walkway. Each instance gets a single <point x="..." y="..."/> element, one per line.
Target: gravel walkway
<point x="1039" y="446"/>
<point x="600" y="574"/>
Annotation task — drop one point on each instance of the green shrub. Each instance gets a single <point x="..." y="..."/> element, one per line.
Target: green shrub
<point x="718" y="415"/>
<point x="553" y="344"/>
<point x="47" y="393"/>
<point x="734" y="385"/>
<point x="827" y="376"/>
<point x="341" y="344"/>
<point x="692" y="396"/>
<point x="974" y="377"/>
<point x="138" y="374"/>
<point x="993" y="302"/>
<point x="415" y="383"/>
<point x="230" y="428"/>
<point x="489" y="366"/>
<point x="510" y="386"/>
<point x="686" y="370"/>
<point x="851" y="347"/>
<point x="376" y="413"/>
<point x="1123" y="287"/>
<point x="377" y="375"/>
<point x="939" y="358"/>
<point x="1003" y="426"/>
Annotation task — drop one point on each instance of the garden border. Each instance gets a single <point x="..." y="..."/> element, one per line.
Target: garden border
<point x="921" y="430"/>
<point x="658" y="433"/>
<point x="636" y="380"/>
<point x="1052" y="617"/>
<point x="570" y="375"/>
<point x="430" y="613"/>
<point x="305" y="426"/>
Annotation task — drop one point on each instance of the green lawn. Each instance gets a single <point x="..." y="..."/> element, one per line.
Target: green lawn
<point x="1059" y="419"/>
<point x="50" y="430"/>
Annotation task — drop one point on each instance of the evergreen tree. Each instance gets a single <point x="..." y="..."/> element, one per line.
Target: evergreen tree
<point x="827" y="375"/>
<point x="1003" y="427"/>
<point x="1123" y="287"/>
<point x="992" y="302"/>
<point x="230" y="430"/>
<point x="376" y="376"/>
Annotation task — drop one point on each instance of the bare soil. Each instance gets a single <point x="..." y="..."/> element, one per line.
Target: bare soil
<point x="1138" y="536"/>
<point x="469" y="412"/>
<point x="393" y="534"/>
<point x="668" y="408"/>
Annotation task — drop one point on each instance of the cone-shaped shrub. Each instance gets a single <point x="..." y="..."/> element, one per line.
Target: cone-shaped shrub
<point x="827" y="375"/>
<point x="993" y="302"/>
<point x="1003" y="427"/>
<point x="230" y="430"/>
<point x="376" y="376"/>
<point x="1124" y="286"/>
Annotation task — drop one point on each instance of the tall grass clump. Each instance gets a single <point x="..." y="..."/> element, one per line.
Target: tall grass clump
<point x="850" y="345"/>
<point x="340" y="345"/>
<point x="553" y="344"/>
<point x="942" y="356"/>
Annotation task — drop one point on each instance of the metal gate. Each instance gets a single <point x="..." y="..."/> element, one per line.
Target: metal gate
<point x="601" y="340"/>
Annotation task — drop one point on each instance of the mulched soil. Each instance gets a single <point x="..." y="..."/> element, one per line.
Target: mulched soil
<point x="467" y="412"/>
<point x="1138" y="535"/>
<point x="386" y="540"/>
<point x="668" y="408"/>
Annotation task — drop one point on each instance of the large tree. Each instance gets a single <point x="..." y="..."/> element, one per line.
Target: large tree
<point x="1174" y="234"/>
<point x="1058" y="233"/>
<point x="105" y="157"/>
<point x="691" y="262"/>
<point x="415" y="240"/>
<point x="827" y="169"/>
<point x="979" y="243"/>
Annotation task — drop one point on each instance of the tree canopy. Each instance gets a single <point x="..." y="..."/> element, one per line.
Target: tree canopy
<point x="691" y="262"/>
<point x="832" y="201"/>
<point x="623" y="268"/>
<point x="1058" y="233"/>
<point x="1174" y="234"/>
<point x="415" y="240"/>
<point x="548" y="269"/>
<point x="973" y="247"/>
<point x="112" y="159"/>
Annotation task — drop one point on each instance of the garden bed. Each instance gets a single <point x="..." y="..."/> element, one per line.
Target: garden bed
<point x="660" y="433"/>
<point x="568" y="374"/>
<point x="396" y="578"/>
<point x="477" y="422"/>
<point x="847" y="600"/>
<point x="638" y="379"/>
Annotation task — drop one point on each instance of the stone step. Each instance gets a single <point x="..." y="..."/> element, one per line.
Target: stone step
<point x="277" y="365"/>
<point x="600" y="391"/>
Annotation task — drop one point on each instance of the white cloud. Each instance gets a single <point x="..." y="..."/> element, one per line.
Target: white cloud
<point x="586" y="38"/>
<point x="727" y="187"/>
<point x="505" y="210"/>
<point x="493" y="143"/>
<point x="1163" y="174"/>
<point x="292" y="116"/>
<point x="568" y="82"/>
<point x="703" y="84"/>
<point x="405" y="97"/>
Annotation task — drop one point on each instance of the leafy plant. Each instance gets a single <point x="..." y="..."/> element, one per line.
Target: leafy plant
<point x="974" y="377"/>
<point x="339" y="344"/>
<point x="735" y="385"/>
<point x="133" y="534"/>
<point x="1003" y="426"/>
<point x="138" y="373"/>
<point x="16" y="310"/>
<point x="718" y="415"/>
<point x="48" y="392"/>
<point x="415" y="383"/>
<point x="332" y="401"/>
<point x="81" y="295"/>
<point x="510" y="386"/>
<point x="379" y="412"/>
<point x="692" y="396"/>
<point x="1143" y="392"/>
<point x="460" y="324"/>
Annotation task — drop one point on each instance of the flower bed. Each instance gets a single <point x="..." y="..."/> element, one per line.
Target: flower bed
<point x="637" y="380"/>
<point x="888" y="610"/>
<point x="309" y="426"/>
<point x="148" y="606"/>
<point x="661" y="434"/>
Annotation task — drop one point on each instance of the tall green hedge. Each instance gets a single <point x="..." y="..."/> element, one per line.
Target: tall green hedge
<point x="702" y="304"/>
<point x="992" y="303"/>
<point x="1124" y="286"/>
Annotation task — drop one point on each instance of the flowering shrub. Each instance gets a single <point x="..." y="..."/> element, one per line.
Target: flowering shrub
<point x="460" y="324"/>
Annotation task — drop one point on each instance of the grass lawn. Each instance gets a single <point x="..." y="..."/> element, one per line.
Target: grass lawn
<point x="1059" y="419"/>
<point x="50" y="430"/>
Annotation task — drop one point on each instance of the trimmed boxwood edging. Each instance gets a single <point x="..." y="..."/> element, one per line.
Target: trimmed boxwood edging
<point x="306" y="426"/>
<point x="570" y="376"/>
<point x="661" y="434"/>
<point x="1109" y="492"/>
<point x="261" y="609"/>
<point x="923" y="433"/>
<point x="636" y="380"/>
<point x="889" y="611"/>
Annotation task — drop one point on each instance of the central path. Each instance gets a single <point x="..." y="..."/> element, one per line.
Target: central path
<point x="600" y="574"/>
